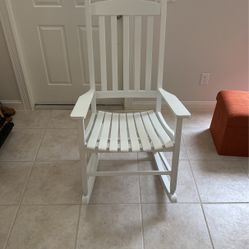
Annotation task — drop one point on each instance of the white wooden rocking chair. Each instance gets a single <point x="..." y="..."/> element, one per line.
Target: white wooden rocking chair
<point x="128" y="132"/>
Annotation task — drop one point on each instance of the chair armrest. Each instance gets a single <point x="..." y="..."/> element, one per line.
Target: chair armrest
<point x="175" y="104"/>
<point x="82" y="105"/>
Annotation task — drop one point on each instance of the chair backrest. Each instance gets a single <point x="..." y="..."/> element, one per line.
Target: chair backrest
<point x="141" y="14"/>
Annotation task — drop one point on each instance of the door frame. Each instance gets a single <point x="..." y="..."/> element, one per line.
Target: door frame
<point x="16" y="55"/>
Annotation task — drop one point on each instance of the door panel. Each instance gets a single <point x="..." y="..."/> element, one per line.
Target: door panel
<point x="55" y="55"/>
<point x="53" y="39"/>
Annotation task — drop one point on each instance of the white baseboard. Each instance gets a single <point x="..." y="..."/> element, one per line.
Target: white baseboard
<point x="200" y="105"/>
<point x="16" y="104"/>
<point x="150" y="104"/>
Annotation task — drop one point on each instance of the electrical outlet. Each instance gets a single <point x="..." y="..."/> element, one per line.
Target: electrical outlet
<point x="205" y="77"/>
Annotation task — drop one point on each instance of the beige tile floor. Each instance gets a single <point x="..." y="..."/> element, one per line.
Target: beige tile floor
<point x="40" y="193"/>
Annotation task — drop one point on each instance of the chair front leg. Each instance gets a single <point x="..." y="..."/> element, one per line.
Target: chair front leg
<point x="176" y="154"/>
<point x="83" y="157"/>
<point x="84" y="173"/>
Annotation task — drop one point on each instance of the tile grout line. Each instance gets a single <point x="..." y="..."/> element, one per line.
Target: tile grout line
<point x="77" y="228"/>
<point x="201" y="204"/>
<point x="226" y="203"/>
<point x="202" y="208"/>
<point x="110" y="203"/>
<point x="140" y="205"/>
<point x="23" y="193"/>
<point x="42" y="139"/>
<point x="18" y="207"/>
<point x="24" y="189"/>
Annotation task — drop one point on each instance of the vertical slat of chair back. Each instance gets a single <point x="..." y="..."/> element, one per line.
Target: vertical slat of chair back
<point x="114" y="45"/>
<point x="149" y="50"/>
<point x="102" y="42"/>
<point x="162" y="43"/>
<point x="128" y="9"/>
<point x="126" y="52"/>
<point x="137" y="59"/>
<point x="90" y="44"/>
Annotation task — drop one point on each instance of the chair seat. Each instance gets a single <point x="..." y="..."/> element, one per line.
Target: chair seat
<point x="141" y="131"/>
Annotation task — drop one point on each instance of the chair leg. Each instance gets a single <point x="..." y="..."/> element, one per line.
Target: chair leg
<point x="175" y="159"/>
<point x="174" y="174"/>
<point x="88" y="181"/>
<point x="84" y="175"/>
<point x="169" y="183"/>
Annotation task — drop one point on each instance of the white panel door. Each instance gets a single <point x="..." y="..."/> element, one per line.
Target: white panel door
<point x="53" y="40"/>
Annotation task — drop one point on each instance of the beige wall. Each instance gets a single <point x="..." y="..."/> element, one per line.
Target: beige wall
<point x="8" y="86"/>
<point x="203" y="36"/>
<point x="207" y="36"/>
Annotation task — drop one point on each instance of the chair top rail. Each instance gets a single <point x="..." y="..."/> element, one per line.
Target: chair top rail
<point x="125" y="7"/>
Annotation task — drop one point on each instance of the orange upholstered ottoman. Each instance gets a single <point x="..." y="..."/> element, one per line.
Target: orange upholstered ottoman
<point x="230" y="123"/>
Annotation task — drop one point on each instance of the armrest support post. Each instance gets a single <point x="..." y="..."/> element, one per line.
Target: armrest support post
<point x="83" y="155"/>
<point x="176" y="153"/>
<point x="158" y="103"/>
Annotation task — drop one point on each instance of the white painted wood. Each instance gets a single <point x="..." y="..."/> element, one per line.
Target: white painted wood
<point x="66" y="38"/>
<point x="114" y="45"/>
<point x="124" y="144"/>
<point x="158" y="103"/>
<point x="162" y="44"/>
<point x="170" y="149"/>
<point x="92" y="166"/>
<point x="125" y="7"/>
<point x="82" y="105"/>
<point x="176" y="153"/>
<point x="123" y="132"/>
<point x="126" y="52"/>
<point x="54" y="50"/>
<point x="162" y="164"/>
<point x="164" y="179"/>
<point x="83" y="157"/>
<point x="126" y="94"/>
<point x="90" y="44"/>
<point x="92" y="142"/>
<point x="103" y="139"/>
<point x="90" y="125"/>
<point x="160" y="130"/>
<point x="91" y="162"/>
<point x="157" y="144"/>
<point x="127" y="132"/>
<point x="149" y="52"/>
<point x="132" y="133"/>
<point x="102" y="43"/>
<point x="145" y="142"/>
<point x="137" y="59"/>
<point x="114" y="133"/>
<point x="175" y="104"/>
<point x="165" y="161"/>
<point x="169" y="131"/>
<point x="130" y="173"/>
